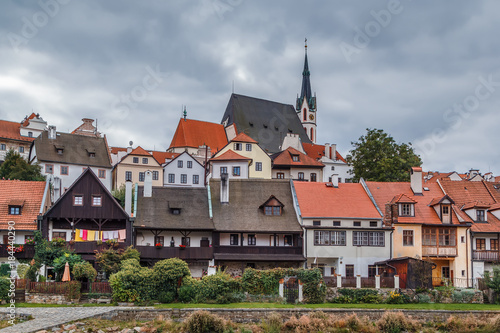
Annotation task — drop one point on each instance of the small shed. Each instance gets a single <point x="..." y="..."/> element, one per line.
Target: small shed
<point x="413" y="273"/>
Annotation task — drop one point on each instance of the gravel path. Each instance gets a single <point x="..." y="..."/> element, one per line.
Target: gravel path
<point x="46" y="318"/>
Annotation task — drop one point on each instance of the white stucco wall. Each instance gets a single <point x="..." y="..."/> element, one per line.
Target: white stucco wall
<point x="216" y="165"/>
<point x="146" y="238"/>
<point x="261" y="239"/>
<point x="172" y="168"/>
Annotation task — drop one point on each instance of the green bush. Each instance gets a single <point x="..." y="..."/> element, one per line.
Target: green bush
<point x="133" y="283"/>
<point x="463" y="296"/>
<point x="371" y="299"/>
<point x="22" y="269"/>
<point x="216" y="288"/>
<point x="396" y="298"/>
<point x="84" y="270"/>
<point x="4" y="288"/>
<point x="168" y="274"/>
<point x="166" y="297"/>
<point x="4" y="270"/>
<point x="204" y="322"/>
<point x="357" y="295"/>
<point x="424" y="298"/>
<point x="342" y="300"/>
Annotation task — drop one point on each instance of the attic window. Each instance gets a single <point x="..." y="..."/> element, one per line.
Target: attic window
<point x="295" y="158"/>
<point x="59" y="151"/>
<point x="92" y="155"/>
<point x="272" y="207"/>
<point x="406" y="209"/>
<point x="480" y="215"/>
<point x="14" y="210"/>
<point x="175" y="211"/>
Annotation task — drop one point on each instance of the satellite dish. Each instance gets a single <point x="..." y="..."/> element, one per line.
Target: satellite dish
<point x="130" y="143"/>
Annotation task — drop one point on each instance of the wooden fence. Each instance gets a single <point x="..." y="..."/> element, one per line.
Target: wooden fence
<point x="61" y="288"/>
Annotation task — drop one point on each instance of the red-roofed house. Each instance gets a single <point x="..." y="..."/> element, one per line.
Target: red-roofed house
<point x="19" y="136"/>
<point x="21" y="205"/>
<point x="335" y="165"/>
<point x="242" y="157"/>
<point x="293" y="164"/>
<point x="343" y="230"/>
<point x="191" y="134"/>
<point x="133" y="167"/>
<point x="425" y="226"/>
<point x="478" y="203"/>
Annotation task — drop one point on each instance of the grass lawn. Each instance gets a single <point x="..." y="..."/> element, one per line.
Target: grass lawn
<point x="41" y="305"/>
<point x="463" y="307"/>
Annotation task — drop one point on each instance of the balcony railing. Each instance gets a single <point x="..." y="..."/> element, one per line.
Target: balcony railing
<point x="27" y="252"/>
<point x="441" y="251"/>
<point x="485" y="255"/>
<point x="262" y="250"/>
<point x="91" y="246"/>
<point x="193" y="253"/>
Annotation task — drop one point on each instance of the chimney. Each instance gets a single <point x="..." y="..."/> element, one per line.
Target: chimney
<point x="128" y="197"/>
<point x="327" y="150"/>
<point x="391" y="214"/>
<point x="335" y="180"/>
<point x="416" y="180"/>
<point x="148" y="184"/>
<point x="333" y="154"/>
<point x="224" y="188"/>
<point x="473" y="173"/>
<point x="52" y="132"/>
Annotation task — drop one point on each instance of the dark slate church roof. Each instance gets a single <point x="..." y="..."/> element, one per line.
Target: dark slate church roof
<point x="156" y="212"/>
<point x="265" y="121"/>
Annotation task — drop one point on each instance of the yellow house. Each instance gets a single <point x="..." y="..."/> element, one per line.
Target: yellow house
<point x="260" y="164"/>
<point x="134" y="166"/>
<point x="425" y="227"/>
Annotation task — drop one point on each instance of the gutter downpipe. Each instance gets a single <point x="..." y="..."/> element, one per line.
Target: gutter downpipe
<point x="472" y="256"/>
<point x="135" y="199"/>
<point x="209" y="202"/>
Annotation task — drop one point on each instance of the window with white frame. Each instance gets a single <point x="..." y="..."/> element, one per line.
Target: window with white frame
<point x="96" y="200"/>
<point x="258" y="166"/>
<point x="236" y="171"/>
<point x="171" y="178"/>
<point x="141" y="176"/>
<point x="78" y="200"/>
<point x="238" y="146"/>
<point x="223" y="170"/>
<point x="189" y="164"/>
<point x="184" y="179"/>
<point x="249" y="147"/>
<point x="368" y="238"/>
<point x="128" y="175"/>
<point x="406" y="209"/>
<point x="156" y="175"/>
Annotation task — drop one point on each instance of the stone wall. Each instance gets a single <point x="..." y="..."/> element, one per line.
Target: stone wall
<point x="46" y="298"/>
<point x="256" y="315"/>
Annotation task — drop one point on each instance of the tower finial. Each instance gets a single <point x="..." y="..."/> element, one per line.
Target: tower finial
<point x="185" y="113"/>
<point x="305" y="42"/>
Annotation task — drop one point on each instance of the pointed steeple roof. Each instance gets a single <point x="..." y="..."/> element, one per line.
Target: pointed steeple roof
<point x="306" y="81"/>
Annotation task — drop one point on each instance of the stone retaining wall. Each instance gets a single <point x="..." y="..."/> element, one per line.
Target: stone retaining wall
<point x="46" y="298"/>
<point x="256" y="315"/>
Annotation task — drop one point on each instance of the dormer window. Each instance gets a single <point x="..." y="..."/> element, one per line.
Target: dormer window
<point x="60" y="151"/>
<point x="272" y="207"/>
<point x="480" y="215"/>
<point x="175" y="211"/>
<point x="30" y="134"/>
<point x="295" y="158"/>
<point x="14" y="210"/>
<point x="406" y="209"/>
<point x="92" y="155"/>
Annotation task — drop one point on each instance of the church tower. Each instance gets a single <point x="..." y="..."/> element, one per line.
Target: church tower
<point x="306" y="103"/>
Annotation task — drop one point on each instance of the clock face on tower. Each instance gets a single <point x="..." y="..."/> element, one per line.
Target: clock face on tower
<point x="311" y="117"/>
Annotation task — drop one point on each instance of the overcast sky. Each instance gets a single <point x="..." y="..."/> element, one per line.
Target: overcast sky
<point x="425" y="72"/>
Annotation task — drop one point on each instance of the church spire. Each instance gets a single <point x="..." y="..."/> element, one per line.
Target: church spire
<point x="306" y="81"/>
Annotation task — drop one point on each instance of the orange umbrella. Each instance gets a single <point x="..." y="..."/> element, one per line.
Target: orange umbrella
<point x="66" y="276"/>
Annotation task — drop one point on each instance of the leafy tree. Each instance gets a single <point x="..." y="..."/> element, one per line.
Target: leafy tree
<point x="492" y="280"/>
<point x="16" y="167"/>
<point x="60" y="263"/>
<point x="378" y="157"/>
<point x="110" y="260"/>
<point x="119" y="195"/>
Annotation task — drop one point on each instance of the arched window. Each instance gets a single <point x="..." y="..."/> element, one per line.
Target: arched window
<point x="304" y="114"/>
<point x="312" y="134"/>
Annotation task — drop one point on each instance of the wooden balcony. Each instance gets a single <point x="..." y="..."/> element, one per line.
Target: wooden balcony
<point x="188" y="253"/>
<point x="485" y="255"/>
<point x="28" y="251"/>
<point x="258" y="253"/>
<point x="90" y="246"/>
<point x="439" y="251"/>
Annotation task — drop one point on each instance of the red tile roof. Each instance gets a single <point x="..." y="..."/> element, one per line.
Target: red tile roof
<point x="26" y="121"/>
<point x="161" y="156"/>
<point x="317" y="151"/>
<point x="242" y="137"/>
<point x="115" y="150"/>
<point x="402" y="198"/>
<point x="15" y="192"/>
<point x="195" y="133"/>
<point x="468" y="194"/>
<point x="230" y="156"/>
<point x="384" y="192"/>
<point x="349" y="200"/>
<point x="139" y="151"/>
<point x="12" y="130"/>
<point x="284" y="158"/>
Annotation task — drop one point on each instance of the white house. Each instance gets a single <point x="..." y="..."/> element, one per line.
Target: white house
<point x="343" y="230"/>
<point x="63" y="158"/>
<point x="184" y="170"/>
<point x="230" y="163"/>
